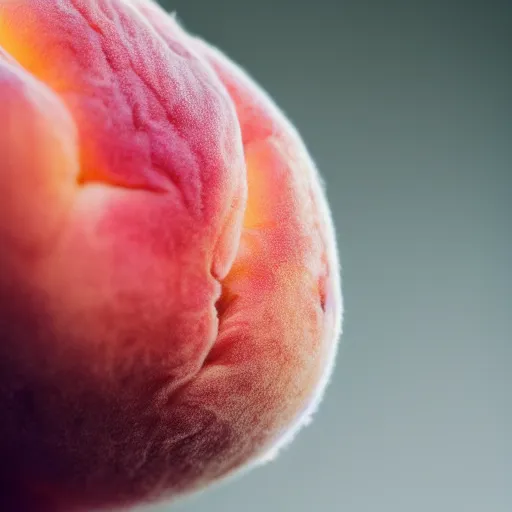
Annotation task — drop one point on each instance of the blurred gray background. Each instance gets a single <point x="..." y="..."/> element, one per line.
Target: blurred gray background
<point x="406" y="108"/>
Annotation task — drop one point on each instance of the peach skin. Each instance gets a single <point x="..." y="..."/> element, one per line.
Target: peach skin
<point x="170" y="294"/>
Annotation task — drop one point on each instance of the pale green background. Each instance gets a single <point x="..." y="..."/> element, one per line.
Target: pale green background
<point x="406" y="107"/>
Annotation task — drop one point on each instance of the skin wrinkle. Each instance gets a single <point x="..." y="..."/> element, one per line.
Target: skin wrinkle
<point x="309" y="409"/>
<point x="186" y="52"/>
<point x="139" y="121"/>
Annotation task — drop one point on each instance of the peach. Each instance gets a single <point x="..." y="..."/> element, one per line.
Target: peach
<point x="170" y="299"/>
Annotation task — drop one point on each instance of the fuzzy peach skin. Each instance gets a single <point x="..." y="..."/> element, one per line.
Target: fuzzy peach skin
<point x="170" y="300"/>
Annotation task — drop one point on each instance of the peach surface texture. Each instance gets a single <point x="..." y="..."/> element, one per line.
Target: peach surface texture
<point x="170" y="295"/>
